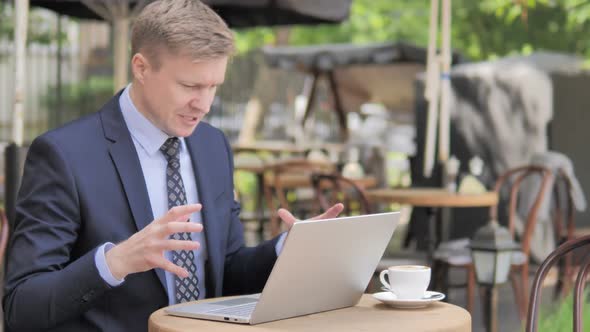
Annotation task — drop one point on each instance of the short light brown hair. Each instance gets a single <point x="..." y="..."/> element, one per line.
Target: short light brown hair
<point x="181" y="27"/>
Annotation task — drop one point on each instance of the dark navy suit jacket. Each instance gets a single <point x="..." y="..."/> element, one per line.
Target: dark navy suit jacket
<point x="83" y="186"/>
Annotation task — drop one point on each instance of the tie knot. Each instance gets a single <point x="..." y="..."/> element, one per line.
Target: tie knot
<point x="171" y="148"/>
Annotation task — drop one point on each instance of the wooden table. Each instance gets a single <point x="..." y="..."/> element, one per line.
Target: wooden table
<point x="368" y="315"/>
<point x="278" y="147"/>
<point x="274" y="147"/>
<point x="432" y="198"/>
<point x="304" y="181"/>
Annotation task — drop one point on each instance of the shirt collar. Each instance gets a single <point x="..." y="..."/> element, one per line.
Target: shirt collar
<point x="149" y="137"/>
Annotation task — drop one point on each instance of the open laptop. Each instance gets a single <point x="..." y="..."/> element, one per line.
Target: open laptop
<point x="324" y="265"/>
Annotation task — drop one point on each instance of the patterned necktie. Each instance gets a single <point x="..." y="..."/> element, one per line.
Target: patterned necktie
<point x="186" y="289"/>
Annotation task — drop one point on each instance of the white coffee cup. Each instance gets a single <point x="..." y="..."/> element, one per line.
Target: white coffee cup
<point x="406" y="281"/>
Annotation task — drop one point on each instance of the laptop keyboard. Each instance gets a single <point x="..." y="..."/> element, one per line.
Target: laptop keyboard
<point x="239" y="310"/>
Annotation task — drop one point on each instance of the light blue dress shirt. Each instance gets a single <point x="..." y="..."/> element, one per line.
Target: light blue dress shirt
<point x="148" y="139"/>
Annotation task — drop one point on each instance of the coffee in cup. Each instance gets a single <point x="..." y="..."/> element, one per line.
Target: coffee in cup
<point x="406" y="281"/>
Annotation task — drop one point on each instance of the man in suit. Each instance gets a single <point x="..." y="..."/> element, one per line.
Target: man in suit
<point x="101" y="237"/>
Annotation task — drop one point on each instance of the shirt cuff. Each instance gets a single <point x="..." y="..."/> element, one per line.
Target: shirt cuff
<point x="280" y="242"/>
<point x="103" y="268"/>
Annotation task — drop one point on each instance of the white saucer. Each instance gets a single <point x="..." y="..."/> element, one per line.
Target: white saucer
<point x="390" y="299"/>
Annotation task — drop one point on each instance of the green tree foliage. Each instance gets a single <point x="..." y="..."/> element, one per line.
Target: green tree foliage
<point x="41" y="29"/>
<point x="491" y="28"/>
<point x="482" y="29"/>
<point x="370" y="21"/>
<point x="5" y="20"/>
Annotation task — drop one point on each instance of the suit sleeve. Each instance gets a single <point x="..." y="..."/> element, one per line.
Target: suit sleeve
<point x="43" y="280"/>
<point x="246" y="268"/>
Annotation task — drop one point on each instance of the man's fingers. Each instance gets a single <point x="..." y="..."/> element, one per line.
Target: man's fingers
<point x="179" y="213"/>
<point x="170" y="245"/>
<point x="179" y="227"/>
<point x="286" y="216"/>
<point x="173" y="268"/>
<point x="332" y="212"/>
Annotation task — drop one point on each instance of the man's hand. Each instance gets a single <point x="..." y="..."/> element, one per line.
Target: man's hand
<point x="144" y="250"/>
<point x="332" y="212"/>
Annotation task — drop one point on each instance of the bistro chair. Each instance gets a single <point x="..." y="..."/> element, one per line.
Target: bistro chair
<point x="334" y="188"/>
<point x="444" y="259"/>
<point x="291" y="178"/>
<point x="561" y="252"/>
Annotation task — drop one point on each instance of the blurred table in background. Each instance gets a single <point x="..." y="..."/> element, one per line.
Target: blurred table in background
<point x="433" y="199"/>
<point x="274" y="147"/>
<point x="285" y="147"/>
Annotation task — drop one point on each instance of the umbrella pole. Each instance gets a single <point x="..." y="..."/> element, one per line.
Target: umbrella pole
<point x="12" y="153"/>
<point x="56" y="121"/>
<point x="20" y="41"/>
<point x="445" y="84"/>
<point x="431" y="90"/>
<point x="121" y="52"/>
<point x="431" y="124"/>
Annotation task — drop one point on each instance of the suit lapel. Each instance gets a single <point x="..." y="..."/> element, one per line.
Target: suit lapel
<point x="124" y="156"/>
<point x="199" y="150"/>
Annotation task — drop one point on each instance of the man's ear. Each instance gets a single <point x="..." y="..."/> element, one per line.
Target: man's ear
<point x="140" y="66"/>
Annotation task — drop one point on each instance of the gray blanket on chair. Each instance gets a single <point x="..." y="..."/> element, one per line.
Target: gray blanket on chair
<point x="543" y="241"/>
<point x="501" y="109"/>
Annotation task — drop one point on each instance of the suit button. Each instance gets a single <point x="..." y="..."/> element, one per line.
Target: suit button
<point x="86" y="297"/>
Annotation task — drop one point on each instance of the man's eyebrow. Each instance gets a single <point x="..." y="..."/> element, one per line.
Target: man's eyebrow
<point x="187" y="82"/>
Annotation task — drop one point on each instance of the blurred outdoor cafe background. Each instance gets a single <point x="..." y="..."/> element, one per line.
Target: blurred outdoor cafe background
<point x="330" y="103"/>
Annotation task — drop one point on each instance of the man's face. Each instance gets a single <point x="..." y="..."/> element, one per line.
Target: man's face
<point x="178" y="94"/>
